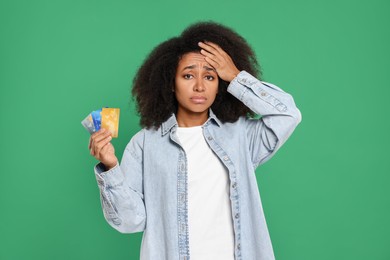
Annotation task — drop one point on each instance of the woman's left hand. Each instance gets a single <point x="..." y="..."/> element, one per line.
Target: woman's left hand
<point x="220" y="60"/>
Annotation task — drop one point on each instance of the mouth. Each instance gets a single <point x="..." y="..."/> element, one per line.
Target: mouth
<point x="198" y="99"/>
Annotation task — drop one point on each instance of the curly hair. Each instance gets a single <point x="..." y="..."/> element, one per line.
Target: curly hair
<point x="155" y="79"/>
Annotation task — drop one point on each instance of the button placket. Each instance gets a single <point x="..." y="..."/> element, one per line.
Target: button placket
<point x="182" y="207"/>
<point x="226" y="160"/>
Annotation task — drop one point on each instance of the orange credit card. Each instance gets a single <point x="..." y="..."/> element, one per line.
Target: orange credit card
<point x="110" y="120"/>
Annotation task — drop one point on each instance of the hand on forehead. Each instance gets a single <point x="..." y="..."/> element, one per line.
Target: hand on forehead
<point x="194" y="60"/>
<point x="219" y="60"/>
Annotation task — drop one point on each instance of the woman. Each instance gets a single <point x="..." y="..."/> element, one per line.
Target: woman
<point x="187" y="180"/>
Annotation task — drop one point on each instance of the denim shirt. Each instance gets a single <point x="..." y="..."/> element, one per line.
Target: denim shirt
<point x="148" y="190"/>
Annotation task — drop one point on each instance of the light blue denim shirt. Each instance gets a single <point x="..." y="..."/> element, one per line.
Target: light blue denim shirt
<point x="148" y="190"/>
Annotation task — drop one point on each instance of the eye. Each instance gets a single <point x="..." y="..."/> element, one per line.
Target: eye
<point x="187" y="76"/>
<point x="208" y="77"/>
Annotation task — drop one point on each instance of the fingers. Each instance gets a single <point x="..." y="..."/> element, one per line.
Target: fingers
<point x="97" y="148"/>
<point x="91" y="138"/>
<point x="220" y="60"/>
<point x="101" y="148"/>
<point x="211" y="60"/>
<point x="212" y="48"/>
<point x="100" y="135"/>
<point x="212" y="54"/>
<point x="98" y="140"/>
<point x="105" y="148"/>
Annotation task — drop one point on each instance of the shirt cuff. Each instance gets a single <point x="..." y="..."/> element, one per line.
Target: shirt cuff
<point x="244" y="84"/>
<point x="242" y="79"/>
<point x="110" y="178"/>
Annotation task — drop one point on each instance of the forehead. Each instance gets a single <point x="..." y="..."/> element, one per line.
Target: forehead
<point x="192" y="58"/>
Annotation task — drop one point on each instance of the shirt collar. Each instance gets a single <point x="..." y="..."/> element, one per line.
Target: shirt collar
<point x="167" y="125"/>
<point x="172" y="122"/>
<point x="214" y="118"/>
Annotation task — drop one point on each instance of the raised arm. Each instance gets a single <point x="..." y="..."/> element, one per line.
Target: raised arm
<point x="279" y="114"/>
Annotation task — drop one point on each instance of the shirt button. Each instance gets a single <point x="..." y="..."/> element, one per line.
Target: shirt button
<point x="225" y="158"/>
<point x="237" y="215"/>
<point x="281" y="107"/>
<point x="239" y="247"/>
<point x="234" y="185"/>
<point x="263" y="94"/>
<point x="117" y="221"/>
<point x="210" y="138"/>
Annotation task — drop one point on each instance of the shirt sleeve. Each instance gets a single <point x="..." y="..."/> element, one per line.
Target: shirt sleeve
<point x="121" y="190"/>
<point x="279" y="115"/>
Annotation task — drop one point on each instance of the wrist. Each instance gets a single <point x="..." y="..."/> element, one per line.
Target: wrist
<point x="234" y="75"/>
<point x="109" y="166"/>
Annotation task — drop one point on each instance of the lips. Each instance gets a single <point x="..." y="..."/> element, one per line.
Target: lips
<point x="198" y="99"/>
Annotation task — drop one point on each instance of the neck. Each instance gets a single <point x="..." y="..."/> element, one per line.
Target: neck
<point x="191" y="119"/>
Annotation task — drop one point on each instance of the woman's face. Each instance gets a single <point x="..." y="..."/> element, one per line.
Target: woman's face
<point x="196" y="85"/>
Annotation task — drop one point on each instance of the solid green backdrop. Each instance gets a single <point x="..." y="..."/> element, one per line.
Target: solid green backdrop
<point x="326" y="193"/>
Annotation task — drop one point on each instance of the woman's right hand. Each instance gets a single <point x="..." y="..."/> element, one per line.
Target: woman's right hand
<point x="101" y="148"/>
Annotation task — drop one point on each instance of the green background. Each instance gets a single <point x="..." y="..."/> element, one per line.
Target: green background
<point x="326" y="193"/>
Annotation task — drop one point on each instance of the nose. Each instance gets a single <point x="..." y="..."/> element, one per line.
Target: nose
<point x="199" y="85"/>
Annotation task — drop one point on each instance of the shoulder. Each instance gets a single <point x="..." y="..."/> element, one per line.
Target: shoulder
<point x="241" y="122"/>
<point x="139" y="139"/>
<point x="240" y="128"/>
<point x="136" y="142"/>
<point x="230" y="129"/>
<point x="136" y="145"/>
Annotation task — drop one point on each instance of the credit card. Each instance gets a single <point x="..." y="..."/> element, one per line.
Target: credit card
<point x="110" y="120"/>
<point x="97" y="119"/>
<point x="107" y="118"/>
<point x="88" y="124"/>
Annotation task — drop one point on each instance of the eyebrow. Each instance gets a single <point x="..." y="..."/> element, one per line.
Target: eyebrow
<point x="194" y="66"/>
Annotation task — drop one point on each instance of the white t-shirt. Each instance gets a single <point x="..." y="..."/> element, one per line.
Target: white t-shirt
<point x="209" y="214"/>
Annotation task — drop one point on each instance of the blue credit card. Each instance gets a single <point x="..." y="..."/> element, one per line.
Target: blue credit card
<point x="97" y="119"/>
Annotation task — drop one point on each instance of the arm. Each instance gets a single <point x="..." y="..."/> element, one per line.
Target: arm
<point x="121" y="190"/>
<point x="279" y="114"/>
